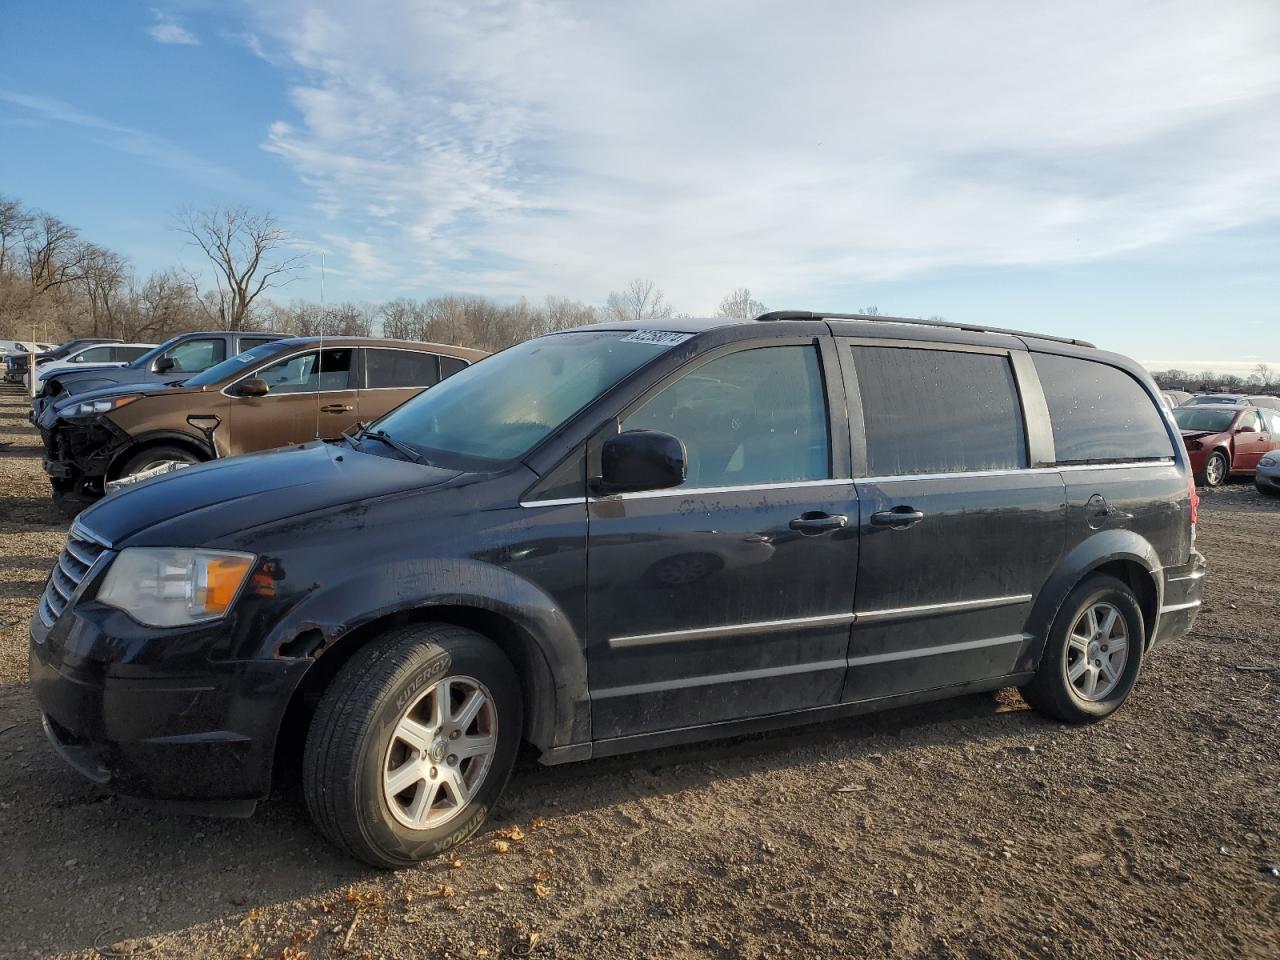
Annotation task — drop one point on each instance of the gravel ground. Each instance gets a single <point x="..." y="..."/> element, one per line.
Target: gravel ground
<point x="969" y="829"/>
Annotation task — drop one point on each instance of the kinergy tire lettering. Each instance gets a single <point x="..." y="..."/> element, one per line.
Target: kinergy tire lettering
<point x="434" y="669"/>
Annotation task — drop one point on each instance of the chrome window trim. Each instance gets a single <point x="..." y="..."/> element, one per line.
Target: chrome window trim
<point x="279" y="359"/>
<point x="836" y="481"/>
<point x="932" y="651"/>
<point x="559" y="502"/>
<point x="734" y="488"/>
<point x="701" y="633"/>
<point x="940" y="609"/>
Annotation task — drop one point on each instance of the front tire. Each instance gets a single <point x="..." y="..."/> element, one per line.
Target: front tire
<point x="412" y="744"/>
<point x="1093" y="654"/>
<point x="154" y="457"/>
<point x="1216" y="470"/>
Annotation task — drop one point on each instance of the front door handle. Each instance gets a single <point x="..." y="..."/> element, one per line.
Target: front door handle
<point x="815" y="524"/>
<point x="337" y="408"/>
<point x="899" y="518"/>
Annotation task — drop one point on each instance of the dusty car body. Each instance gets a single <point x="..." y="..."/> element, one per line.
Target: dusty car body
<point x="280" y="392"/>
<point x="617" y="538"/>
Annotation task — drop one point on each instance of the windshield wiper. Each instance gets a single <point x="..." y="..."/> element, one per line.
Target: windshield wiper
<point x="397" y="445"/>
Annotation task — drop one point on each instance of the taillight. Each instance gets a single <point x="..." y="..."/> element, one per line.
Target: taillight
<point x="1195" y="500"/>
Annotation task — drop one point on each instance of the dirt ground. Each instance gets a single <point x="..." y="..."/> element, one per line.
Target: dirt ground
<point x="969" y="829"/>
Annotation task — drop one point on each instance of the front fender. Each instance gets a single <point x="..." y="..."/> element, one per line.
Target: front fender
<point x="411" y="586"/>
<point x="1103" y="547"/>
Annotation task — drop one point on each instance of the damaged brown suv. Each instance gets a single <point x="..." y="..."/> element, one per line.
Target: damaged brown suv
<point x="282" y="392"/>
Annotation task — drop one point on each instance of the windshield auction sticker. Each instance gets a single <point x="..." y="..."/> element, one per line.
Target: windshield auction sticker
<point x="657" y="338"/>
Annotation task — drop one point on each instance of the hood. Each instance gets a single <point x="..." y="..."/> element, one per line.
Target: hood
<point x="120" y="390"/>
<point x="199" y="504"/>
<point x="80" y="379"/>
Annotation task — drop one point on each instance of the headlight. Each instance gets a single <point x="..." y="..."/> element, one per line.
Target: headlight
<point x="90" y="407"/>
<point x="168" y="587"/>
<point x="1268" y="461"/>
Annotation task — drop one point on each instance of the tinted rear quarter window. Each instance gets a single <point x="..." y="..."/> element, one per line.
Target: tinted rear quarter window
<point x="1100" y="414"/>
<point x="451" y="365"/>
<point x="938" y="411"/>
<point x="400" y="368"/>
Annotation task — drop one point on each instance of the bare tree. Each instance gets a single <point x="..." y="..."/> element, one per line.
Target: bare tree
<point x="1264" y="373"/>
<point x="642" y="300"/>
<point x="739" y="305"/>
<point x="15" y="221"/>
<point x="54" y="256"/>
<point x="104" y="276"/>
<point x="245" y="249"/>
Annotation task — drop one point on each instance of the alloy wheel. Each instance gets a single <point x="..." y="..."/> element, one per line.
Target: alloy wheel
<point x="1097" y="651"/>
<point x="1215" y="470"/>
<point x="440" y="751"/>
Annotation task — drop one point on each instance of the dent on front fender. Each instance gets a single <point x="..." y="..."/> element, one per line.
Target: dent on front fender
<point x="410" y="586"/>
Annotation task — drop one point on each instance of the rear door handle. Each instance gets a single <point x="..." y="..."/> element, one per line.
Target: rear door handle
<point x="814" y="524"/>
<point x="337" y="408"/>
<point x="899" y="518"/>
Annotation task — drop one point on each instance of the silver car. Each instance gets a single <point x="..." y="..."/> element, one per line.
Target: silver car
<point x="1267" y="479"/>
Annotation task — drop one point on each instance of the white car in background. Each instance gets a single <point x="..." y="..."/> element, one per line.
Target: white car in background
<point x="92" y="355"/>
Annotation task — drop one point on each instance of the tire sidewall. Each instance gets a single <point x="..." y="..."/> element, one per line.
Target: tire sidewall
<point x="433" y="663"/>
<point x="1101" y="590"/>
<point x="143" y="458"/>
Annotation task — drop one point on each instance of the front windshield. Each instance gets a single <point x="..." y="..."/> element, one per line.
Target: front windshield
<point x="240" y="363"/>
<point x="499" y="408"/>
<point x="143" y="361"/>
<point x="1204" y="417"/>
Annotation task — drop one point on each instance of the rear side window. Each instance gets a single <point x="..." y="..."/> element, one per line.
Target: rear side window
<point x="451" y="365"/>
<point x="938" y="411"/>
<point x="248" y="343"/>
<point x="128" y="354"/>
<point x="1100" y="414"/>
<point x="196" y="355"/>
<point x="400" y="368"/>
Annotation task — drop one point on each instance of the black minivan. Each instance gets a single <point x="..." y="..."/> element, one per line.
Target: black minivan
<point x="616" y="538"/>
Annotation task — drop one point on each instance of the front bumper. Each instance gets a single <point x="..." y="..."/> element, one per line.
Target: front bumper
<point x="184" y="730"/>
<point x="1266" y="481"/>
<point x="78" y="454"/>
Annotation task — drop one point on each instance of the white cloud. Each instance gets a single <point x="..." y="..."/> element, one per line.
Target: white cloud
<point x="167" y="30"/>
<point x="538" y="145"/>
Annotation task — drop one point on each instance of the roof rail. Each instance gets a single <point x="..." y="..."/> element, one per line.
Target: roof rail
<point x="877" y="318"/>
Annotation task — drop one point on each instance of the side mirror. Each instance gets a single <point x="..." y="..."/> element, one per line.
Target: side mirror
<point x="1246" y="428"/>
<point x="641" y="460"/>
<point x="164" y="365"/>
<point x="253" y="387"/>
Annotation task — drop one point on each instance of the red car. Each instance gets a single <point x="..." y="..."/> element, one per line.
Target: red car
<point x="1224" y="439"/>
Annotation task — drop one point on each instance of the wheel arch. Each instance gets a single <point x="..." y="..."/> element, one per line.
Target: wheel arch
<point x="1122" y="554"/>
<point x="163" y="438"/>
<point x="552" y="713"/>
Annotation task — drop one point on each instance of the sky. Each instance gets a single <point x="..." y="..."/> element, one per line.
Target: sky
<point x="1104" y="169"/>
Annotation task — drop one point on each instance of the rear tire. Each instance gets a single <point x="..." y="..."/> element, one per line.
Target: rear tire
<point x="1082" y="676"/>
<point x="394" y="717"/>
<point x="1216" y="470"/>
<point x="154" y="456"/>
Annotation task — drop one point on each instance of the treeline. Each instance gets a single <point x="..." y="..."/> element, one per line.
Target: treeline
<point x="56" y="284"/>
<point x="1263" y="379"/>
